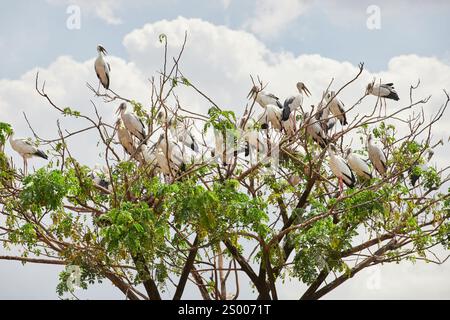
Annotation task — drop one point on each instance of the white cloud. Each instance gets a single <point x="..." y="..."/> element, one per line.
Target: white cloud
<point x="219" y="61"/>
<point x="104" y="9"/>
<point x="273" y="16"/>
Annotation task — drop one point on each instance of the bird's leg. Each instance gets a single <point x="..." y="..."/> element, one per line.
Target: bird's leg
<point x="25" y="166"/>
<point x="98" y="88"/>
<point x="341" y="187"/>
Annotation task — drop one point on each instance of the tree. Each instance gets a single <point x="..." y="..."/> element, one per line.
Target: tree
<point x="222" y="221"/>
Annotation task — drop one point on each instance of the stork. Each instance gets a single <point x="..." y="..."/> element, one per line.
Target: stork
<point x="100" y="177"/>
<point x="336" y="107"/>
<point x="168" y="156"/>
<point x="271" y="115"/>
<point x="264" y="98"/>
<point x="102" y="67"/>
<point x="125" y="138"/>
<point x="295" y="102"/>
<point x="26" y="149"/>
<point x="340" y="169"/>
<point x="180" y="130"/>
<point x="416" y="172"/>
<point x="358" y="165"/>
<point x="384" y="91"/>
<point x="290" y="125"/>
<point x="251" y="136"/>
<point x="132" y="122"/>
<point x="323" y="115"/>
<point x="376" y="156"/>
<point x="314" y="130"/>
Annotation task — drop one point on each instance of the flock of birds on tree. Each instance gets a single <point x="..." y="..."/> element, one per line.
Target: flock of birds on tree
<point x="167" y="156"/>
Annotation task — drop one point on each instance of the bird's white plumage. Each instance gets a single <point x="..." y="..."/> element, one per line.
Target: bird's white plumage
<point x="272" y="115"/>
<point x="264" y="98"/>
<point x="132" y="122"/>
<point x="358" y="165"/>
<point x="102" y="67"/>
<point x="336" y="107"/>
<point x="314" y="129"/>
<point x="125" y="138"/>
<point x="376" y="156"/>
<point x="340" y="168"/>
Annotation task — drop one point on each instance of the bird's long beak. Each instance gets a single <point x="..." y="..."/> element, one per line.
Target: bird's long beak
<point x="104" y="50"/>
<point x="118" y="110"/>
<point x="306" y="91"/>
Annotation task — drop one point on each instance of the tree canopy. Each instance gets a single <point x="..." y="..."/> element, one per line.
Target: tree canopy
<point x="226" y="216"/>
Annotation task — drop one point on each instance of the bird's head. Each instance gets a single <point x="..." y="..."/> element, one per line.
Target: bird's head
<point x="369" y="87"/>
<point x="253" y="92"/>
<point x="101" y="49"/>
<point x="121" y="108"/>
<point x="302" y="88"/>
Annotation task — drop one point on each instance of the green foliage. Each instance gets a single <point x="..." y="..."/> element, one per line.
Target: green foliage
<point x="5" y="131"/>
<point x="44" y="190"/>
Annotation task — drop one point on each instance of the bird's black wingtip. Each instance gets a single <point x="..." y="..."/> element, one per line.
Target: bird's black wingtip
<point x="41" y="154"/>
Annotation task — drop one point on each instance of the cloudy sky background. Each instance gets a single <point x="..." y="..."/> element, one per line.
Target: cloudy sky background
<point x="282" y="41"/>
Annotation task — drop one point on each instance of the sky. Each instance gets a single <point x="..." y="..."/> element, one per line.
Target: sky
<point x="282" y="41"/>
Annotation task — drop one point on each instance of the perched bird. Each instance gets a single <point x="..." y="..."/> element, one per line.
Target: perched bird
<point x="125" y="138"/>
<point x="323" y="115"/>
<point x="385" y="90"/>
<point x="336" y="107"/>
<point x="416" y="172"/>
<point x="132" y="122"/>
<point x="26" y="150"/>
<point x="102" y="67"/>
<point x="376" y="156"/>
<point x="358" y="165"/>
<point x="295" y="102"/>
<point x="148" y="156"/>
<point x="179" y="130"/>
<point x="289" y="125"/>
<point x="100" y="176"/>
<point x="264" y="98"/>
<point x="340" y="168"/>
<point x="169" y="156"/>
<point x="314" y="130"/>
<point x="271" y="115"/>
<point x="251" y="137"/>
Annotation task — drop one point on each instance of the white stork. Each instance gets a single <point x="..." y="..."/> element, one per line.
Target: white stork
<point x="340" y="169"/>
<point x="100" y="177"/>
<point x="251" y="136"/>
<point x="125" y="138"/>
<point x="272" y="115"/>
<point x="295" y="102"/>
<point x="180" y="130"/>
<point x="376" y="156"/>
<point x="323" y="115"/>
<point x="102" y="67"/>
<point x="290" y="125"/>
<point x="168" y="156"/>
<point x="384" y="91"/>
<point x="336" y="107"/>
<point x="26" y="150"/>
<point x="264" y="98"/>
<point x="132" y="122"/>
<point x="314" y="129"/>
<point x="414" y="175"/>
<point x="358" y="165"/>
